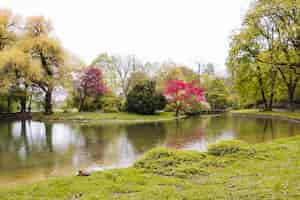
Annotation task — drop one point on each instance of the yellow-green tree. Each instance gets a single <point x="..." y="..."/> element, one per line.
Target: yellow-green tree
<point x="48" y="52"/>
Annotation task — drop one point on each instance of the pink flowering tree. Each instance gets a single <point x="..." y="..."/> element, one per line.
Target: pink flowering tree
<point x="90" y="84"/>
<point x="184" y="96"/>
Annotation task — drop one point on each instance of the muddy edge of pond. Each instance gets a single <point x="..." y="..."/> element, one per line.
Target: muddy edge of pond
<point x="267" y="116"/>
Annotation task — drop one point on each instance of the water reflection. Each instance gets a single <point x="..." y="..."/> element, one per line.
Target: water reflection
<point x="32" y="150"/>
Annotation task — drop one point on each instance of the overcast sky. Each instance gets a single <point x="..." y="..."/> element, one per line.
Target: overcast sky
<point x="182" y="30"/>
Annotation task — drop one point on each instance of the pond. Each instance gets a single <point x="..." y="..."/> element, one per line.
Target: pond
<point x="31" y="150"/>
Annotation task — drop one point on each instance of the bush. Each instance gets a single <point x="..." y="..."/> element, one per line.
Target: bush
<point x="161" y="101"/>
<point x="142" y="99"/>
<point x="196" y="109"/>
<point x="111" y="104"/>
<point x="229" y="147"/>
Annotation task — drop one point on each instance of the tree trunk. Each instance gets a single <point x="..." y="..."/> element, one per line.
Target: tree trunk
<point x="29" y="104"/>
<point x="177" y="111"/>
<point x="261" y="87"/>
<point x="81" y="104"/>
<point x="291" y="94"/>
<point x="48" y="102"/>
<point x="8" y="104"/>
<point x="23" y="104"/>
<point x="273" y="84"/>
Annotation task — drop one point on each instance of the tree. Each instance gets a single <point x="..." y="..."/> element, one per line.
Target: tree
<point x="217" y="95"/>
<point x="118" y="70"/>
<point x="183" y="94"/>
<point x="19" y="70"/>
<point x="8" y="26"/>
<point x="50" y="55"/>
<point x="268" y="45"/>
<point x="143" y="99"/>
<point x="137" y="78"/>
<point x="172" y="71"/>
<point x="209" y="69"/>
<point x="90" y="85"/>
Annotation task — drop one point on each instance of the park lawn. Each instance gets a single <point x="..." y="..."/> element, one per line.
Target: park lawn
<point x="108" y="117"/>
<point x="256" y="112"/>
<point x="231" y="170"/>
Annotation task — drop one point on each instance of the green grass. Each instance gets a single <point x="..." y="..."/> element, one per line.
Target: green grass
<point x="287" y="115"/>
<point x="105" y="117"/>
<point x="229" y="170"/>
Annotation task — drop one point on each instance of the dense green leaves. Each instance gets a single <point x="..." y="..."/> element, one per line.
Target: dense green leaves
<point x="264" y="55"/>
<point x="143" y="99"/>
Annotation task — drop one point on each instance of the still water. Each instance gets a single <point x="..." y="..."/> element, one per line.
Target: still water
<point x="31" y="150"/>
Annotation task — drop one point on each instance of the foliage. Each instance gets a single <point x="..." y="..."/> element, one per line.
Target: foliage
<point x="143" y="99"/>
<point x="171" y="71"/>
<point x="111" y="104"/>
<point x="218" y="94"/>
<point x="90" y="87"/>
<point x="198" y="108"/>
<point x="161" y="101"/>
<point x="184" y="96"/>
<point x="263" y="55"/>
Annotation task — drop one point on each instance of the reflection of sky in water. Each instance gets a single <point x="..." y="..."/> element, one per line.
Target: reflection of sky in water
<point x="202" y="144"/>
<point x="63" y="137"/>
<point x="35" y="149"/>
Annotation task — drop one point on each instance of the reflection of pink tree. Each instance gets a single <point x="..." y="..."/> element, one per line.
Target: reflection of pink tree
<point x="90" y="84"/>
<point x="183" y="95"/>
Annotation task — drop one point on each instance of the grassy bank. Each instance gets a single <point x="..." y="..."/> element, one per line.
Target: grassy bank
<point x="229" y="170"/>
<point x="104" y="117"/>
<point x="256" y="112"/>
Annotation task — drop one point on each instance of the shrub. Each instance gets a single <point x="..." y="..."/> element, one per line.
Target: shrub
<point x="142" y="99"/>
<point x="197" y="108"/>
<point x="229" y="147"/>
<point x="161" y="101"/>
<point x="111" y="104"/>
<point x="91" y="104"/>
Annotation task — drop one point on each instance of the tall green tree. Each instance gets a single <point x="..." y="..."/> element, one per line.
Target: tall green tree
<point x="268" y="45"/>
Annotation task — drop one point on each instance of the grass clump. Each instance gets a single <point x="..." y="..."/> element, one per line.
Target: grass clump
<point x="167" y="162"/>
<point x="230" y="147"/>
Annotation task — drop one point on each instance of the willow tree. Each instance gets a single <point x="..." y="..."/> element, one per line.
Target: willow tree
<point x="47" y="50"/>
<point x="9" y="23"/>
<point x="19" y="70"/>
<point x="8" y="26"/>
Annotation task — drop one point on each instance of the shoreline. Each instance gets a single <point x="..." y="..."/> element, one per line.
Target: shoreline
<point x="284" y="116"/>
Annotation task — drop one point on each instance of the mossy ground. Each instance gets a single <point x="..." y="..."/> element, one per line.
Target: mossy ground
<point x="263" y="171"/>
<point x="104" y="117"/>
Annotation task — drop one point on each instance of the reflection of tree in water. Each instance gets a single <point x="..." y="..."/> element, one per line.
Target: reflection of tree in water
<point x="146" y="136"/>
<point x="217" y="127"/>
<point x="268" y="125"/>
<point x="184" y="132"/>
<point x="48" y="133"/>
<point x="96" y="138"/>
<point x="254" y="130"/>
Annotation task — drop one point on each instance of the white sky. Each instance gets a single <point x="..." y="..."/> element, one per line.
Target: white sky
<point x="155" y="30"/>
